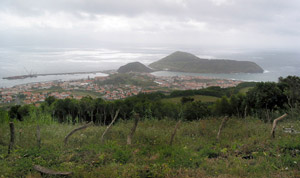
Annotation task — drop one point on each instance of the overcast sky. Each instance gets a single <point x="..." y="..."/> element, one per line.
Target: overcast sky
<point x="258" y="24"/>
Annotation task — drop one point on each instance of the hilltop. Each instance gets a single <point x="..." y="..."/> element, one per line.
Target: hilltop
<point x="210" y="132"/>
<point x="186" y="62"/>
<point x="134" y="67"/>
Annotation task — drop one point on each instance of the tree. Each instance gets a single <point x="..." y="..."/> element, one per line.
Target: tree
<point x="290" y="87"/>
<point x="100" y="107"/>
<point x="3" y="116"/>
<point x="50" y="99"/>
<point x="237" y="104"/>
<point x="59" y="110"/>
<point x="73" y="109"/>
<point x="13" y="112"/>
<point x="222" y="107"/>
<point x="19" y="112"/>
<point x="24" y="111"/>
<point x="86" y="106"/>
<point x="265" y="98"/>
<point x="195" y="110"/>
<point x="186" y="99"/>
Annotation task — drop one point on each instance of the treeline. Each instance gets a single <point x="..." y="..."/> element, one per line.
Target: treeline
<point x="264" y="100"/>
<point x="213" y="91"/>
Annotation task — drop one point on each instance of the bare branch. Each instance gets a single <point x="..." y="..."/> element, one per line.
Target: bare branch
<point x="225" y="119"/>
<point x="12" y="137"/>
<point x="108" y="127"/>
<point x="44" y="170"/>
<point x="174" y="132"/>
<point x="275" y="124"/>
<point x="136" y="120"/>
<point x="38" y="136"/>
<point x="75" y="130"/>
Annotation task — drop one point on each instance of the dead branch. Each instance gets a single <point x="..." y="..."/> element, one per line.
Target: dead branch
<point x="136" y="120"/>
<point x="108" y="127"/>
<point x="225" y="119"/>
<point x="47" y="171"/>
<point x="38" y="136"/>
<point x="75" y="130"/>
<point x="174" y="132"/>
<point x="245" y="114"/>
<point x="275" y="123"/>
<point x="12" y="137"/>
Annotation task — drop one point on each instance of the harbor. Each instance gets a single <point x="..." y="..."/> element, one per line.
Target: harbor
<point x="68" y="73"/>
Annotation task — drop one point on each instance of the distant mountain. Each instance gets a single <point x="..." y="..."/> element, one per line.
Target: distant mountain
<point x="134" y="67"/>
<point x="186" y="62"/>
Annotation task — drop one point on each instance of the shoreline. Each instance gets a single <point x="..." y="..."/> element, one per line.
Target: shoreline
<point x="67" y="73"/>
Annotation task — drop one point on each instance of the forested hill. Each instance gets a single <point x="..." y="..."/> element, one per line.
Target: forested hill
<point x="186" y="62"/>
<point x="134" y="67"/>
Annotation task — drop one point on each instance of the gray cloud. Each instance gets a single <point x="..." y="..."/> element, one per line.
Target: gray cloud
<point x="208" y="23"/>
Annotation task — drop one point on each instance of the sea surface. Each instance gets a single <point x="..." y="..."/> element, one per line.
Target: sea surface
<point x="28" y="60"/>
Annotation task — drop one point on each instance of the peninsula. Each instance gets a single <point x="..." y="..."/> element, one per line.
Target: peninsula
<point x="186" y="62"/>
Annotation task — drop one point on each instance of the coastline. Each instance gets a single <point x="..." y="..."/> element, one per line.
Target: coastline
<point x="4" y="83"/>
<point x="68" y="73"/>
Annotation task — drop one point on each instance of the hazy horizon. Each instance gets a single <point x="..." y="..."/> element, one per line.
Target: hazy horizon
<point x="90" y="35"/>
<point x="22" y="60"/>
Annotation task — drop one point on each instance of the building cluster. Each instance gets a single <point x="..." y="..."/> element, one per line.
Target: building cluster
<point x="35" y="92"/>
<point x="193" y="82"/>
<point x="31" y="97"/>
<point x="38" y="92"/>
<point x="121" y="91"/>
<point x="7" y="95"/>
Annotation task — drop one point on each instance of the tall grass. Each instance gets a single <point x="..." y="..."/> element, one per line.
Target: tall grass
<point x="245" y="149"/>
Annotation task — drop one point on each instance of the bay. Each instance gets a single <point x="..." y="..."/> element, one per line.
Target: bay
<point x="37" y="60"/>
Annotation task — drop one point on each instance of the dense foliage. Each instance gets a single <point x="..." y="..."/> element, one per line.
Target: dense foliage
<point x="264" y="100"/>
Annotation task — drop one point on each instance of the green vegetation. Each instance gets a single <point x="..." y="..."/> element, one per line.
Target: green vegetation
<point x="128" y="79"/>
<point x="134" y="67"/>
<point x="86" y="93"/>
<point x="244" y="150"/>
<point x="245" y="90"/>
<point x="203" y="98"/>
<point x="265" y="101"/>
<point x="185" y="62"/>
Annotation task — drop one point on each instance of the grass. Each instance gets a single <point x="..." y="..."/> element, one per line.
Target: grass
<point x="86" y="93"/>
<point x="245" y="90"/>
<point x="244" y="150"/>
<point x="203" y="98"/>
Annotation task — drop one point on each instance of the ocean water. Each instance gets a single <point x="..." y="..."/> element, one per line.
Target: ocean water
<point x="28" y="60"/>
<point x="11" y="83"/>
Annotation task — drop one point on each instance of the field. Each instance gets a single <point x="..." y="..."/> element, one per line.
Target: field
<point x="245" y="149"/>
<point x="203" y="98"/>
<point x="245" y="90"/>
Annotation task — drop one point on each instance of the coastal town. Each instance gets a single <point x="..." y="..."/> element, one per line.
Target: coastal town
<point x="35" y="93"/>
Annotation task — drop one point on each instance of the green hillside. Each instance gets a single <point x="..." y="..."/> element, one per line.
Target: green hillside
<point x="134" y="67"/>
<point x="201" y="98"/>
<point x="186" y="62"/>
